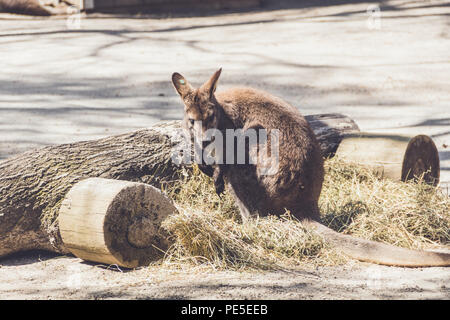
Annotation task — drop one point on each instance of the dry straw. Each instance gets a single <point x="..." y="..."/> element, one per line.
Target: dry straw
<point x="354" y="200"/>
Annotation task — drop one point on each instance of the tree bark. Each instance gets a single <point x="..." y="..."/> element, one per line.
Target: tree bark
<point x="31" y="7"/>
<point x="330" y="129"/>
<point x="33" y="184"/>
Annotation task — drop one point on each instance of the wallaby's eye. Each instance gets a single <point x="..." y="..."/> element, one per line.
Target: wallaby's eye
<point x="191" y="121"/>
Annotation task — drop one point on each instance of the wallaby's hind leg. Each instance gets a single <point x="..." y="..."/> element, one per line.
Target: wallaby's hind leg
<point x="243" y="210"/>
<point x="249" y="194"/>
<point x="219" y="183"/>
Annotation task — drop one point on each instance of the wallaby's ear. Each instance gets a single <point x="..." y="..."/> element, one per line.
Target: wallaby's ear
<point x="181" y="85"/>
<point x="211" y="85"/>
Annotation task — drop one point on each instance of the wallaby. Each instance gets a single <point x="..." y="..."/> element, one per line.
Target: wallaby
<point x="297" y="184"/>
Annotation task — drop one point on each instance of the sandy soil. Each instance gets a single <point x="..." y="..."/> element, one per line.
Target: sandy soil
<point x="112" y="75"/>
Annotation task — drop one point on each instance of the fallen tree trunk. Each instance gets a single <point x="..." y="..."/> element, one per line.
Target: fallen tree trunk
<point x="36" y="7"/>
<point x="33" y="184"/>
<point x="31" y="7"/>
<point x="330" y="129"/>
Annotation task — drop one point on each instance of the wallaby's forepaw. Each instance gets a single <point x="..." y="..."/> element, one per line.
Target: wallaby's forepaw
<point x="220" y="186"/>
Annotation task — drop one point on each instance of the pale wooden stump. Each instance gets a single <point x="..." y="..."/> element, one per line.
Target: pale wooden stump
<point x="115" y="222"/>
<point x="396" y="157"/>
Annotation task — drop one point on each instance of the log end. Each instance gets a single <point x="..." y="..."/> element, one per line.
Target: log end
<point x="115" y="222"/>
<point x="421" y="159"/>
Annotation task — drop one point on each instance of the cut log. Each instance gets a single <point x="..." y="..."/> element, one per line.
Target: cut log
<point x="172" y="5"/>
<point x="115" y="222"/>
<point x="393" y="156"/>
<point x="33" y="184"/>
<point x="31" y="7"/>
<point x="37" y="7"/>
<point x="330" y="129"/>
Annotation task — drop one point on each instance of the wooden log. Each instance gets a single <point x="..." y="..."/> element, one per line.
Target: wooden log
<point x="37" y="7"/>
<point x="31" y="7"/>
<point x="330" y="129"/>
<point x="170" y="5"/>
<point x="33" y="184"/>
<point x="397" y="157"/>
<point x="115" y="222"/>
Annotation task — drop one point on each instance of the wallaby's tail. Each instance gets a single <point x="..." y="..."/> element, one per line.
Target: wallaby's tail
<point x="380" y="253"/>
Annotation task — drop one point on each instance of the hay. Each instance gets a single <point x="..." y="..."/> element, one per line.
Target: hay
<point x="354" y="200"/>
<point x="208" y="230"/>
<point x="411" y="214"/>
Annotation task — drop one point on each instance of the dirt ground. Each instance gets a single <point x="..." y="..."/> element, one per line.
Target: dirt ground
<point x="389" y="72"/>
<point x="40" y="275"/>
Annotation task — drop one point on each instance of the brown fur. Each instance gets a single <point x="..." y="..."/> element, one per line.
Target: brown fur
<point x="297" y="184"/>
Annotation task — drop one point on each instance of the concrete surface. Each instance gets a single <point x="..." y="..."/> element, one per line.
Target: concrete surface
<point x="390" y="74"/>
